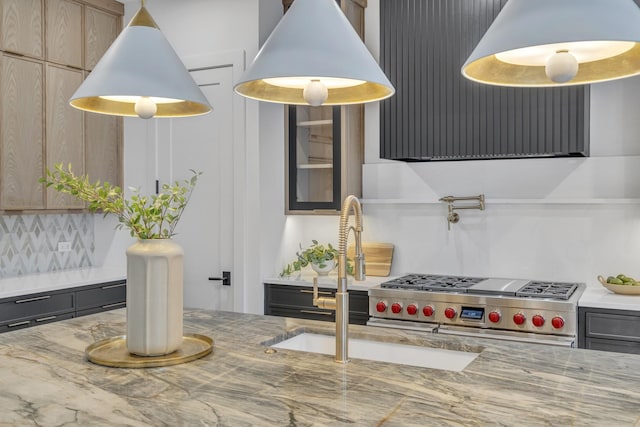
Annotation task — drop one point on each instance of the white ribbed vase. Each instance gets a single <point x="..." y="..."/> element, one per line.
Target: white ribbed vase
<point x="154" y="297"/>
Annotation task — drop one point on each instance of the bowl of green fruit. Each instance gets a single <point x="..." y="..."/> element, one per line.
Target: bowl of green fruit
<point x="621" y="284"/>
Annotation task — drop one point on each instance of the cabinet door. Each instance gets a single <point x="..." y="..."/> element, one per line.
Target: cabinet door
<point x="314" y="158"/>
<point x="21" y="133"/>
<point x="103" y="145"/>
<point x="64" y="32"/>
<point x="104" y="297"/>
<point x="22" y="27"/>
<point x="36" y="306"/>
<point x="65" y="143"/>
<point x="101" y="29"/>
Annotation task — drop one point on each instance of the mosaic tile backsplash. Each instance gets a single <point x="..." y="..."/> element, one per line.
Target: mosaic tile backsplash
<point x="29" y="243"/>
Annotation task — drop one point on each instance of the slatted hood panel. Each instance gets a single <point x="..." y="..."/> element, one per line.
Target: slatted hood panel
<point x="437" y="114"/>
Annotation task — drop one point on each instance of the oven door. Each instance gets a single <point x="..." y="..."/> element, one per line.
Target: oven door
<point x="403" y="324"/>
<point x="562" y="341"/>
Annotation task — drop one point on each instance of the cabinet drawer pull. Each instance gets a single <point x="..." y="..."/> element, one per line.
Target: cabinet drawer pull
<point x="13" y="325"/>
<point x="21" y="301"/>
<point x="305" y="291"/>
<point x="326" y="313"/>
<point x="117" y="304"/>
<point x="117" y="285"/>
<point x="44" y="319"/>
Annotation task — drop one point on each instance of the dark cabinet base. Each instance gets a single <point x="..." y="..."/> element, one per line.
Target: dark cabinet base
<point x="36" y="309"/>
<point x="297" y="301"/>
<point x="609" y="330"/>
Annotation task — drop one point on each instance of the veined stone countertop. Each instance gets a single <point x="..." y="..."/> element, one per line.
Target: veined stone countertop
<point x="46" y="381"/>
<point x="53" y="281"/>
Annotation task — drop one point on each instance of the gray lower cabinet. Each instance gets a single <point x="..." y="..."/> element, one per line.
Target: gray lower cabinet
<point x="45" y="307"/>
<point x="102" y="297"/>
<point x="609" y="330"/>
<point x="297" y="301"/>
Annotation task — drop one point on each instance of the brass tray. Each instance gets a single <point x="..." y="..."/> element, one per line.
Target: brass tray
<point x="113" y="352"/>
<point x="620" y="289"/>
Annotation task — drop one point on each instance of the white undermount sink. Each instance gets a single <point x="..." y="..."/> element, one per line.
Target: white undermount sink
<point x="426" y="357"/>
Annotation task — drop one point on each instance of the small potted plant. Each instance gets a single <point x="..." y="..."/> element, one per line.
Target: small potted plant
<point x="154" y="262"/>
<point x="323" y="259"/>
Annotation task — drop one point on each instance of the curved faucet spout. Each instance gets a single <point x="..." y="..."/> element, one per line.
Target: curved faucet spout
<point x="351" y="203"/>
<point x="340" y="302"/>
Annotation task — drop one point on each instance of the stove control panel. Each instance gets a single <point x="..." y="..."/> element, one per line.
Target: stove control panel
<point x="511" y="317"/>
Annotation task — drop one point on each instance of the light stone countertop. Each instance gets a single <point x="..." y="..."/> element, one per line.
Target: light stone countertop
<point x="600" y="297"/>
<point x="330" y="281"/>
<point x="53" y="281"/>
<point x="45" y="381"/>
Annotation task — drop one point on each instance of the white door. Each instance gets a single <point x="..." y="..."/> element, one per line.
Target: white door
<point x="205" y="231"/>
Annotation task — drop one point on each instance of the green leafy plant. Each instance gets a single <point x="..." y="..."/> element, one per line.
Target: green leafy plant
<point x="146" y="217"/>
<point x="315" y="254"/>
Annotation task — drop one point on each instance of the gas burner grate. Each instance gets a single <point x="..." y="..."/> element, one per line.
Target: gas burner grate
<point x="540" y="289"/>
<point x="428" y="282"/>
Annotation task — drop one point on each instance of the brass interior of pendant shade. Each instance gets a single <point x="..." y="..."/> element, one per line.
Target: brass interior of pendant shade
<point x="97" y="104"/>
<point x="490" y="70"/>
<point x="262" y="91"/>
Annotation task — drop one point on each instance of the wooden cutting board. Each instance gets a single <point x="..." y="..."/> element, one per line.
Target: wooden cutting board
<point x="377" y="257"/>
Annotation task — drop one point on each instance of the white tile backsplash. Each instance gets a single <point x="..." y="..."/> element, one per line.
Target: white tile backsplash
<point x="29" y="243"/>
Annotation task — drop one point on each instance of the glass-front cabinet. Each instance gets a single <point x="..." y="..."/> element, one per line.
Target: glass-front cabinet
<point x="314" y="153"/>
<point x="324" y="157"/>
<point x="325" y="145"/>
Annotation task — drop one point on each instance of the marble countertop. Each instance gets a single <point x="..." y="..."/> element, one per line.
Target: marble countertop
<point x="600" y="297"/>
<point x="46" y="381"/>
<point x="46" y="282"/>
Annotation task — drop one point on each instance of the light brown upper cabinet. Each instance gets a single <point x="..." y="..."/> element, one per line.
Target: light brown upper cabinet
<point x="101" y="29"/>
<point x="64" y="32"/>
<point x="65" y="133"/>
<point x="103" y="148"/>
<point x="22" y="27"/>
<point x="21" y="133"/>
<point x="38" y="75"/>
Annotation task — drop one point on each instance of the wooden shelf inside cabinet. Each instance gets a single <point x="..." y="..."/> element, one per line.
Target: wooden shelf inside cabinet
<point x="314" y="123"/>
<point x="316" y="166"/>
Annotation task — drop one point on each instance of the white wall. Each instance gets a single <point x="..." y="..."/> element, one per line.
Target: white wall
<point x="570" y="241"/>
<point x="195" y="28"/>
<point x="560" y="242"/>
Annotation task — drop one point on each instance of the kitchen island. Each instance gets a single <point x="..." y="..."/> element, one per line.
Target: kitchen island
<point x="45" y="380"/>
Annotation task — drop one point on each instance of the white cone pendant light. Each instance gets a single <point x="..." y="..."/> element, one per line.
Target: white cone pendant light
<point x="141" y="75"/>
<point x="558" y="43"/>
<point x="314" y="57"/>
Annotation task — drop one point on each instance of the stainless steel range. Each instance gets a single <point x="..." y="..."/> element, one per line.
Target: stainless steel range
<point x="516" y="309"/>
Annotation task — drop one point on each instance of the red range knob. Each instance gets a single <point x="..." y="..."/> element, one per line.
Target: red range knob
<point x="537" y="320"/>
<point x="427" y="310"/>
<point x="412" y="309"/>
<point x="494" y="316"/>
<point x="557" y="322"/>
<point x="450" y="312"/>
<point x="396" y="307"/>
<point x="519" y="318"/>
<point x="381" y="307"/>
